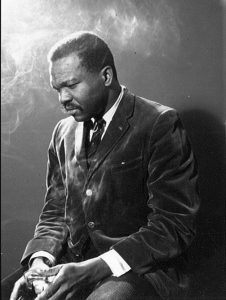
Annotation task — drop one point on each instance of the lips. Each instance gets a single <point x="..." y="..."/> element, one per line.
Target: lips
<point x="70" y="107"/>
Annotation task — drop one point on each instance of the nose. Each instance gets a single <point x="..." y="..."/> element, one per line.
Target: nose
<point x="64" y="96"/>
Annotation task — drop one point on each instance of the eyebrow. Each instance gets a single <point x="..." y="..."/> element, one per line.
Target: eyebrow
<point x="64" y="83"/>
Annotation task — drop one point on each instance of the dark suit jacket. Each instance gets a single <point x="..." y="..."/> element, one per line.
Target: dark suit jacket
<point x="139" y="195"/>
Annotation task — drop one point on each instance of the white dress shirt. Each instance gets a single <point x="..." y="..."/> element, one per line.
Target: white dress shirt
<point x="115" y="262"/>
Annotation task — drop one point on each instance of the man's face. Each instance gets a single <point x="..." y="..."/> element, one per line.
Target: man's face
<point x="81" y="93"/>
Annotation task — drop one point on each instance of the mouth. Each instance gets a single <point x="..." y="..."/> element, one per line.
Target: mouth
<point x="70" y="109"/>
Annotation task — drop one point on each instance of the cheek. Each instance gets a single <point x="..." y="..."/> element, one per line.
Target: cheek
<point x="80" y="94"/>
<point x="89" y="95"/>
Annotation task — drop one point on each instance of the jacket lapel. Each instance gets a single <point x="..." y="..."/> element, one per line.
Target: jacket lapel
<point x="80" y="154"/>
<point x="116" y="130"/>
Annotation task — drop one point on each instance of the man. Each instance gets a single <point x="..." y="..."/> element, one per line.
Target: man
<point x="121" y="188"/>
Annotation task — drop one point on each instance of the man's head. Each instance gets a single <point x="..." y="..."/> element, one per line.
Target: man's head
<point x="82" y="71"/>
<point x="93" y="52"/>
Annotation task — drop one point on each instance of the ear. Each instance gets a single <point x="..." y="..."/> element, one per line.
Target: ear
<point x="107" y="75"/>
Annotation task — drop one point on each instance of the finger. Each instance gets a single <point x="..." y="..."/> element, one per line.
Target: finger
<point x="17" y="288"/>
<point x="35" y="272"/>
<point x="32" y="274"/>
<point x="69" y="296"/>
<point x="59" y="294"/>
<point x="47" y="294"/>
<point x="51" y="289"/>
<point x="39" y="286"/>
<point x="52" y="271"/>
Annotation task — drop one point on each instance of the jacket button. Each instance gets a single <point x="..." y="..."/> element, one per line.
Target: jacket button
<point x="151" y="195"/>
<point x="89" y="192"/>
<point x="91" y="225"/>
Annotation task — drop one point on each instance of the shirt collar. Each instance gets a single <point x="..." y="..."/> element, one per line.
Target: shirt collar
<point x="108" y="116"/>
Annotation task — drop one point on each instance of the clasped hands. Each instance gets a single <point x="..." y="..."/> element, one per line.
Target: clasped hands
<point x="61" y="281"/>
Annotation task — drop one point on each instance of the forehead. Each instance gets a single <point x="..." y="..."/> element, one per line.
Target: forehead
<point x="66" y="67"/>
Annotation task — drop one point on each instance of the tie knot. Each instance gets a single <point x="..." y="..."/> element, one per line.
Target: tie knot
<point x="98" y="124"/>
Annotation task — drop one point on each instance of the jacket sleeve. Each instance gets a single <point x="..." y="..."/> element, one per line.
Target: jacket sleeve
<point x="173" y="199"/>
<point x="51" y="230"/>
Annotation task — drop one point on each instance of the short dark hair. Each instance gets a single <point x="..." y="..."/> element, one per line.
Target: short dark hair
<point x="90" y="48"/>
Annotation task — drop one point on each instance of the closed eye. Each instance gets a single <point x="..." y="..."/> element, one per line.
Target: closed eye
<point x="72" y="86"/>
<point x="55" y="88"/>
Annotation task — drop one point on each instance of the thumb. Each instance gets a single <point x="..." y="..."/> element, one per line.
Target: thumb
<point x="17" y="288"/>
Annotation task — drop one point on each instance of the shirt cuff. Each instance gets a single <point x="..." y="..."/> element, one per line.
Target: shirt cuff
<point x="49" y="259"/>
<point x="115" y="262"/>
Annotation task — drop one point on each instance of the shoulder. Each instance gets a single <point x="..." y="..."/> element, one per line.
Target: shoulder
<point x="149" y="112"/>
<point x="66" y="123"/>
<point x="151" y="107"/>
<point x="64" y="127"/>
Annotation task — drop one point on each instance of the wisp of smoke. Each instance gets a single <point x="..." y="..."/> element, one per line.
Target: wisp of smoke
<point x="29" y="28"/>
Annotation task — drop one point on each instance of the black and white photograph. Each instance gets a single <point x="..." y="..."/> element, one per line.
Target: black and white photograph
<point x="113" y="153"/>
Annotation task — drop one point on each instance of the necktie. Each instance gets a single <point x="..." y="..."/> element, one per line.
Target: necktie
<point x="98" y="129"/>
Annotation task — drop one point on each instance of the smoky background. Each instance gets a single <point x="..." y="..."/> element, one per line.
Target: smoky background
<point x="171" y="51"/>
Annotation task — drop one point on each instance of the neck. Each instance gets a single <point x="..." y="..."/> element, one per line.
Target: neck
<point x="113" y="95"/>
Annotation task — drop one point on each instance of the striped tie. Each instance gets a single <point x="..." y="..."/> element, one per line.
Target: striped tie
<point x="98" y="129"/>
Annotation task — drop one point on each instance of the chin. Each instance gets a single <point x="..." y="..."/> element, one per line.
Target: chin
<point x="78" y="115"/>
<point x="80" y="118"/>
<point x="74" y="113"/>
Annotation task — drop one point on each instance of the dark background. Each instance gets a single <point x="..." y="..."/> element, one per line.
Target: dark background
<point x="185" y="73"/>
